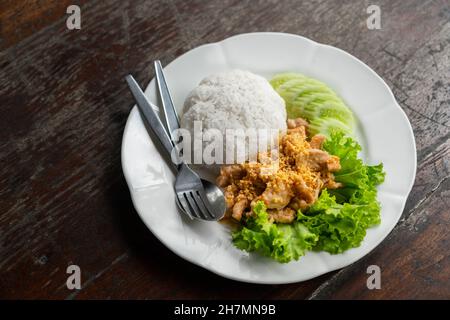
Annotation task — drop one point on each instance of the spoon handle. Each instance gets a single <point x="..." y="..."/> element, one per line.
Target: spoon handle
<point x="152" y="120"/>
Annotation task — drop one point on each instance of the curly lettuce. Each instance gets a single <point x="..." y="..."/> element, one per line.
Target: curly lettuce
<point x="336" y="222"/>
<point x="280" y="242"/>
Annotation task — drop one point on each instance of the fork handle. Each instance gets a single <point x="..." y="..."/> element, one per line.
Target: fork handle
<point x="150" y="117"/>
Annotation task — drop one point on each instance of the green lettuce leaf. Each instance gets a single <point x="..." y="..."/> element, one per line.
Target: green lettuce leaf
<point x="359" y="180"/>
<point x="281" y="242"/>
<point x="341" y="216"/>
<point x="339" y="227"/>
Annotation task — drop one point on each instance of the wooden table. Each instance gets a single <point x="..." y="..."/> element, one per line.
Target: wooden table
<point x="64" y="104"/>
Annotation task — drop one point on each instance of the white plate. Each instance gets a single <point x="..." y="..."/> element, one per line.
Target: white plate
<point x="384" y="131"/>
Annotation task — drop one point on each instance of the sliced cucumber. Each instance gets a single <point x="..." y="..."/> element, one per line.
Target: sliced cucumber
<point x="326" y="126"/>
<point x="281" y="78"/>
<point x="314" y="101"/>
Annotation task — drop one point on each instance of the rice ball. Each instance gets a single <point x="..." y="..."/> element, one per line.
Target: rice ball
<point x="233" y="102"/>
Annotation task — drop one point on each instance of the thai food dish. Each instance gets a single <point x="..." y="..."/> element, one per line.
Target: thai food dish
<point x="311" y="192"/>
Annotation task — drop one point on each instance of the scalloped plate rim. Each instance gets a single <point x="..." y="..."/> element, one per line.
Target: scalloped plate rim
<point x="194" y="260"/>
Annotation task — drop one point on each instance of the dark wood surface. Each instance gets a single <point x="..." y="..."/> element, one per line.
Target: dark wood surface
<point x="64" y="104"/>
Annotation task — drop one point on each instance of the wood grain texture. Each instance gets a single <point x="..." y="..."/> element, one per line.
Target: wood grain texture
<point x="20" y="19"/>
<point x="63" y="198"/>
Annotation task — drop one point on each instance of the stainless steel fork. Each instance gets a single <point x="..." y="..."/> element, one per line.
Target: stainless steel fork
<point x="196" y="197"/>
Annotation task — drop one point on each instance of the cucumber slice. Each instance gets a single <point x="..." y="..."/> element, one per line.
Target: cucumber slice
<point x="329" y="109"/>
<point x="281" y="78"/>
<point x="326" y="126"/>
<point x="314" y="101"/>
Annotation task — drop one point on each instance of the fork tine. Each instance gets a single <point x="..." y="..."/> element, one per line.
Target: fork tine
<point x="185" y="205"/>
<point x="201" y="205"/>
<point x="205" y="205"/>
<point x="194" y="205"/>
<point x="181" y="207"/>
